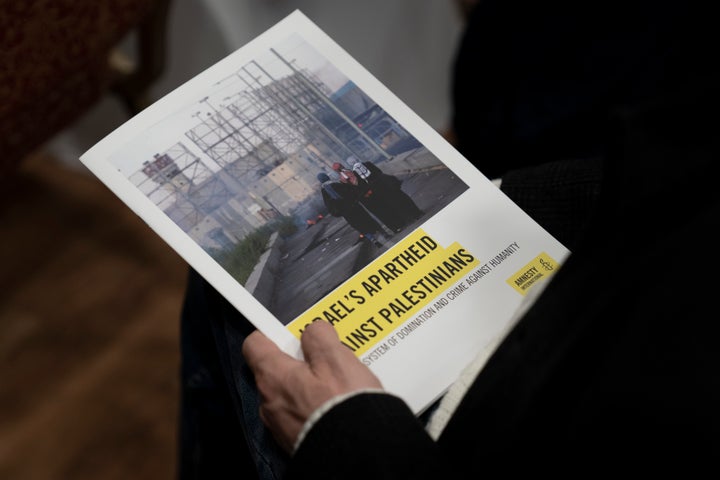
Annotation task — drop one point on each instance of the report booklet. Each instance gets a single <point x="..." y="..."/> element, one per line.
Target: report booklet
<point x="303" y="190"/>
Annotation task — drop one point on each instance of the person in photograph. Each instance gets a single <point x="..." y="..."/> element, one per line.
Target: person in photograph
<point x="382" y="195"/>
<point x="342" y="200"/>
<point x="345" y="174"/>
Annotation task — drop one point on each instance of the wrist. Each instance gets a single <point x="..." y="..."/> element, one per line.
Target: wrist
<point x="326" y="407"/>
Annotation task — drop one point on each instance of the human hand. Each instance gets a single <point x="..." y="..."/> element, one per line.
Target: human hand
<point x="291" y="389"/>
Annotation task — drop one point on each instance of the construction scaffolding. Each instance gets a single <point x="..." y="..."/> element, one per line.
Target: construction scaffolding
<point x="264" y="145"/>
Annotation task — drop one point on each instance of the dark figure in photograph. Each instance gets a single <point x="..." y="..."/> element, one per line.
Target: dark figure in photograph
<point x="382" y="194"/>
<point x="342" y="200"/>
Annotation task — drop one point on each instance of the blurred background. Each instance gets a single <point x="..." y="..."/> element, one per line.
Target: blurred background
<point x="90" y="297"/>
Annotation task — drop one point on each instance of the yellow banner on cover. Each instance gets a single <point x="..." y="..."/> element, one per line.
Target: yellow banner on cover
<point x="388" y="291"/>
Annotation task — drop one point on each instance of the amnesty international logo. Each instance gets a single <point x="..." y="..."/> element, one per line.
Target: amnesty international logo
<point x="539" y="268"/>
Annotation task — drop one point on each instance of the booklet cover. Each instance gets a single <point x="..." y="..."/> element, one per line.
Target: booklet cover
<point x="302" y="189"/>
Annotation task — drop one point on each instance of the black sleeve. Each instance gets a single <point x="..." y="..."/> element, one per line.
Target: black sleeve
<point x="369" y="436"/>
<point x="560" y="196"/>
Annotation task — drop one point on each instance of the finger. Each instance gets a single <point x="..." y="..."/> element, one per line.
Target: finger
<point x="271" y="366"/>
<point x="321" y="330"/>
<point x="330" y="359"/>
<point x="321" y="343"/>
<point x="317" y="337"/>
<point x="257" y="347"/>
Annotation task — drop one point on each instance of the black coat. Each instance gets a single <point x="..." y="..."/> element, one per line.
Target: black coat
<point x="616" y="367"/>
<point x="345" y="202"/>
<point x="382" y="195"/>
